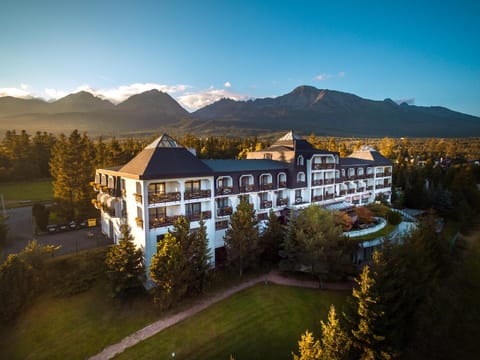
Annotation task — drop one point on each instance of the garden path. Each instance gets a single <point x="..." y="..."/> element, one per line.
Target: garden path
<point x="154" y="328"/>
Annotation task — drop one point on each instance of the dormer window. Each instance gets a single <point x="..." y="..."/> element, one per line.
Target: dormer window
<point x="300" y="161"/>
<point x="301" y="177"/>
<point x="267" y="156"/>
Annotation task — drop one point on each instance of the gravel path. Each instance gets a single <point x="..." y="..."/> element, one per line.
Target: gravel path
<point x="154" y="328"/>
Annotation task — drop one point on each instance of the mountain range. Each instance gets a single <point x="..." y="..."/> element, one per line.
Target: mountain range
<point x="305" y="109"/>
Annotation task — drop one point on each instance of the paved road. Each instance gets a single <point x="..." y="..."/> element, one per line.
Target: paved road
<point x="21" y="232"/>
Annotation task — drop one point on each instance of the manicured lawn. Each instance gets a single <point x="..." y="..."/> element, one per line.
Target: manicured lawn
<point x="263" y="322"/>
<point x="73" y="327"/>
<point x="21" y="193"/>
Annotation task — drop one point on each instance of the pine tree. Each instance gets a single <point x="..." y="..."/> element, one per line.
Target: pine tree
<point x="200" y="262"/>
<point x="124" y="262"/>
<point x="241" y="238"/>
<point x="308" y="347"/>
<point x="167" y="272"/>
<point x="335" y="343"/>
<point x="367" y="342"/>
<point x="271" y="238"/>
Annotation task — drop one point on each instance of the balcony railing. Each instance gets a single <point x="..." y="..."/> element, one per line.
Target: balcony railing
<point x="370" y="187"/>
<point x="199" y="194"/>
<point x="246" y="188"/>
<point x="262" y="216"/>
<point x="352" y="177"/>
<point x="138" y="198"/>
<point x="163" y="221"/>
<point x="266" y="186"/>
<point x="282" y="184"/>
<point x="380" y="174"/>
<point x="369" y="176"/>
<point x="219" y="225"/>
<point x="329" y="196"/>
<point x="317" y="198"/>
<point x="322" y="166"/>
<point x="299" y="200"/>
<point x="350" y="191"/>
<point x="203" y="215"/>
<point x="224" y="190"/>
<point x="328" y="181"/>
<point x="282" y="201"/>
<point x="317" y="182"/>
<point x="265" y="204"/>
<point x="361" y="189"/>
<point x="225" y="211"/>
<point x="155" y="198"/>
<point x="343" y="192"/>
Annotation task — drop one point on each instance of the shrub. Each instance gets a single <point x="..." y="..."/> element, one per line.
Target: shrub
<point x="394" y="218"/>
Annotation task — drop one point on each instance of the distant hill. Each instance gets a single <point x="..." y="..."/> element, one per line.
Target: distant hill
<point x="328" y="112"/>
<point x="306" y="109"/>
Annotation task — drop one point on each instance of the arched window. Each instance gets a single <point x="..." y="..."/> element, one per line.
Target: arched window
<point x="301" y="177"/>
<point x="300" y="160"/>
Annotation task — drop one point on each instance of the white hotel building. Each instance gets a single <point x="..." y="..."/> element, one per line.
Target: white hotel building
<point x="166" y="180"/>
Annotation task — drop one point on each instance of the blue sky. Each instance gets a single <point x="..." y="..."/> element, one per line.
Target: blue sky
<point x="199" y="51"/>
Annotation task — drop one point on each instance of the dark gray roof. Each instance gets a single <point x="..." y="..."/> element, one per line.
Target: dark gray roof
<point x="370" y="154"/>
<point x="164" y="159"/>
<point x="222" y="166"/>
<point x="354" y="162"/>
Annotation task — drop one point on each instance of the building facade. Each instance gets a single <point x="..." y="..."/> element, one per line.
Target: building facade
<point x="166" y="180"/>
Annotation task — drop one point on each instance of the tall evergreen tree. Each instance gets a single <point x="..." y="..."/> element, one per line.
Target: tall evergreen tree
<point x="335" y="342"/>
<point x="124" y="263"/>
<point x="241" y="237"/>
<point x="200" y="261"/>
<point x="368" y="344"/>
<point x="167" y="270"/>
<point x="309" y="348"/>
<point x="271" y="238"/>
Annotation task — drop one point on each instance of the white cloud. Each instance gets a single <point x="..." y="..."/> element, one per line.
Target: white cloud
<point x="227" y="84"/>
<point x="24" y="86"/>
<point x="197" y="100"/>
<point x="15" y="92"/>
<point x="323" y="77"/>
<point x="342" y="74"/>
<point x="118" y="94"/>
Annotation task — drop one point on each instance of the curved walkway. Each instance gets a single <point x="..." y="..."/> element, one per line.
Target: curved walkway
<point x="154" y="328"/>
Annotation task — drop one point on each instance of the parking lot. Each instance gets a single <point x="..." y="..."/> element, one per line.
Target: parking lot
<point x="21" y="232"/>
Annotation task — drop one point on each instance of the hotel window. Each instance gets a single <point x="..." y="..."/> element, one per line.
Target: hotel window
<point x="192" y="186"/>
<point x="300" y="160"/>
<point x="222" y="202"/>
<point x="157" y="214"/>
<point x="301" y="177"/>
<point x="193" y="210"/>
<point x="156" y="188"/>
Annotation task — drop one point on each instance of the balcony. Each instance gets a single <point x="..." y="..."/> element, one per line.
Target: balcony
<point x="322" y="166"/>
<point x="96" y="186"/>
<point x="225" y="211"/>
<point x="266" y="186"/>
<point x="388" y="173"/>
<point x="163" y="221"/>
<point x="156" y="198"/>
<point x="352" y="177"/>
<point x="317" y="182"/>
<point x="299" y="200"/>
<point x="370" y="176"/>
<point x="262" y="216"/>
<point x="199" y="194"/>
<point x="301" y="183"/>
<point x="203" y="215"/>
<point x="329" y="196"/>
<point x="343" y="192"/>
<point x="329" y="181"/>
<point x="317" y="198"/>
<point x="282" y="184"/>
<point x="361" y="189"/>
<point x="282" y="201"/>
<point x="220" y="225"/>
<point x="224" y="190"/>
<point x="138" y="198"/>
<point x="350" y="191"/>
<point x="265" y="204"/>
<point x="246" y="188"/>
<point x="380" y="174"/>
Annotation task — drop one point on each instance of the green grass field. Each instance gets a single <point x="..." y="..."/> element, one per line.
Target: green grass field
<point x="263" y="322"/>
<point x="22" y="193"/>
